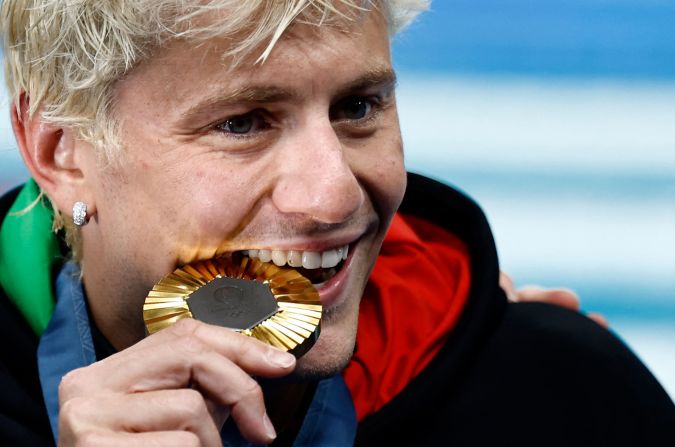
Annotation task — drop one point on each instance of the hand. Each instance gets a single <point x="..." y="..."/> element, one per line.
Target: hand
<point x="174" y="388"/>
<point x="559" y="297"/>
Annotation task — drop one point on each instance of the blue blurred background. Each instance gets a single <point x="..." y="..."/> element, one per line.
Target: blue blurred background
<point x="559" y="118"/>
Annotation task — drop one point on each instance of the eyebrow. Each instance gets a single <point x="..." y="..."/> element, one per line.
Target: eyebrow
<point x="253" y="94"/>
<point x="373" y="78"/>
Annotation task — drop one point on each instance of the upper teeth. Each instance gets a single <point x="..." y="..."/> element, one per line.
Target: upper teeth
<point x="296" y="258"/>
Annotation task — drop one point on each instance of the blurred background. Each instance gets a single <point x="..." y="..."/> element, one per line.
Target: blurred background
<point x="559" y="118"/>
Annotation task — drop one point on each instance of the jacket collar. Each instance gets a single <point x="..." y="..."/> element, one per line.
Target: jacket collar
<point x="29" y="253"/>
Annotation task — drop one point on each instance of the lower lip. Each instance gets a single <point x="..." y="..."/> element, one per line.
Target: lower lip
<point x="330" y="292"/>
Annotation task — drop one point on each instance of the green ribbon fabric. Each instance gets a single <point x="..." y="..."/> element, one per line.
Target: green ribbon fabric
<point x="29" y="252"/>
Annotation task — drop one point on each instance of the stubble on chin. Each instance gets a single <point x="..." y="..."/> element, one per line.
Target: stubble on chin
<point x="334" y="348"/>
<point x="320" y="365"/>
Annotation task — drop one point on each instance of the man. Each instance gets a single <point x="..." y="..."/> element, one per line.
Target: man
<point x="165" y="132"/>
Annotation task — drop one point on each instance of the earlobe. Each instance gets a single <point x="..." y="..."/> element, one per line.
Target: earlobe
<point x="49" y="152"/>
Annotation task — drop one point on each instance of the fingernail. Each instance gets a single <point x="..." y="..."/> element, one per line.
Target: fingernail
<point x="280" y="358"/>
<point x="269" y="428"/>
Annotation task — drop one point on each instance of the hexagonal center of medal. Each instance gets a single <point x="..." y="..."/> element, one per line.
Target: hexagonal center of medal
<point x="233" y="303"/>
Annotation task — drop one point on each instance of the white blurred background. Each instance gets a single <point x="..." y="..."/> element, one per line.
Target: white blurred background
<point x="578" y="181"/>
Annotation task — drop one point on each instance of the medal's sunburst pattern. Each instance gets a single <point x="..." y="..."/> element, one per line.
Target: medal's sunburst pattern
<point x="295" y="325"/>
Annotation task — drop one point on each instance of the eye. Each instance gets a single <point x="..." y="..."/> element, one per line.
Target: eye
<point x="244" y="124"/>
<point x="353" y="108"/>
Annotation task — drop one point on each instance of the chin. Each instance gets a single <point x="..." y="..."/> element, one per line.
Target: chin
<point x="331" y="353"/>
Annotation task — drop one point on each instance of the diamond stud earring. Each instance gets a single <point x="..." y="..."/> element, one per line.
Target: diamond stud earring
<point x="80" y="214"/>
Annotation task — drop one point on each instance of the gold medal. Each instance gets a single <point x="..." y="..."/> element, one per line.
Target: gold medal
<point x="276" y="305"/>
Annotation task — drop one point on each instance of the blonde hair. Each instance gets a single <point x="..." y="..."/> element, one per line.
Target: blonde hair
<point x="67" y="55"/>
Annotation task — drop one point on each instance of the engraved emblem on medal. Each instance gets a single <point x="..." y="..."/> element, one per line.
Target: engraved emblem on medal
<point x="276" y="305"/>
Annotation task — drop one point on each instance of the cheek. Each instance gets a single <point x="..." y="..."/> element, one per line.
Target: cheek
<point x="187" y="214"/>
<point x="382" y="172"/>
<point x="214" y="207"/>
<point x="392" y="177"/>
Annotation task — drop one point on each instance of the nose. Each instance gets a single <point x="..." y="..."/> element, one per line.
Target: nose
<point x="315" y="178"/>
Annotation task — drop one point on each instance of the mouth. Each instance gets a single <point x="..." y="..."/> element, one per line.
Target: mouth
<point x="317" y="266"/>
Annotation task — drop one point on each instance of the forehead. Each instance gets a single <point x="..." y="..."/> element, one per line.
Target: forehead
<point x="305" y="58"/>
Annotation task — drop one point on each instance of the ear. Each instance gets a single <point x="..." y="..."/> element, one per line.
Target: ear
<point x="51" y="155"/>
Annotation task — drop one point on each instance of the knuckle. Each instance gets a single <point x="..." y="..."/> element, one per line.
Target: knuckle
<point x="251" y="390"/>
<point x="190" y="343"/>
<point x="186" y="326"/>
<point x="70" y="383"/>
<point x="505" y="279"/>
<point x="73" y="410"/>
<point x="192" y="404"/>
<point x="242" y="345"/>
<point x="187" y="336"/>
<point x="247" y="347"/>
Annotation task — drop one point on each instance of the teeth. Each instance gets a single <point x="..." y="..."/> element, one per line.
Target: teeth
<point x="330" y="259"/>
<point x="297" y="258"/>
<point x="311" y="259"/>
<point x="279" y="257"/>
<point x="265" y="255"/>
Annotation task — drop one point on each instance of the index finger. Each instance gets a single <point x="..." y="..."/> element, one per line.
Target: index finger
<point x="170" y="358"/>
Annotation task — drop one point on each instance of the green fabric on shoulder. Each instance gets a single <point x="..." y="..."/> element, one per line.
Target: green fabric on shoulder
<point x="29" y="251"/>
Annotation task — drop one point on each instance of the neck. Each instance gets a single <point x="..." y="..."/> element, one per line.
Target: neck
<point x="116" y="288"/>
<point x="116" y="309"/>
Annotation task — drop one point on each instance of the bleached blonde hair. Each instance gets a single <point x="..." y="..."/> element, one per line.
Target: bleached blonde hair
<point x="66" y="55"/>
